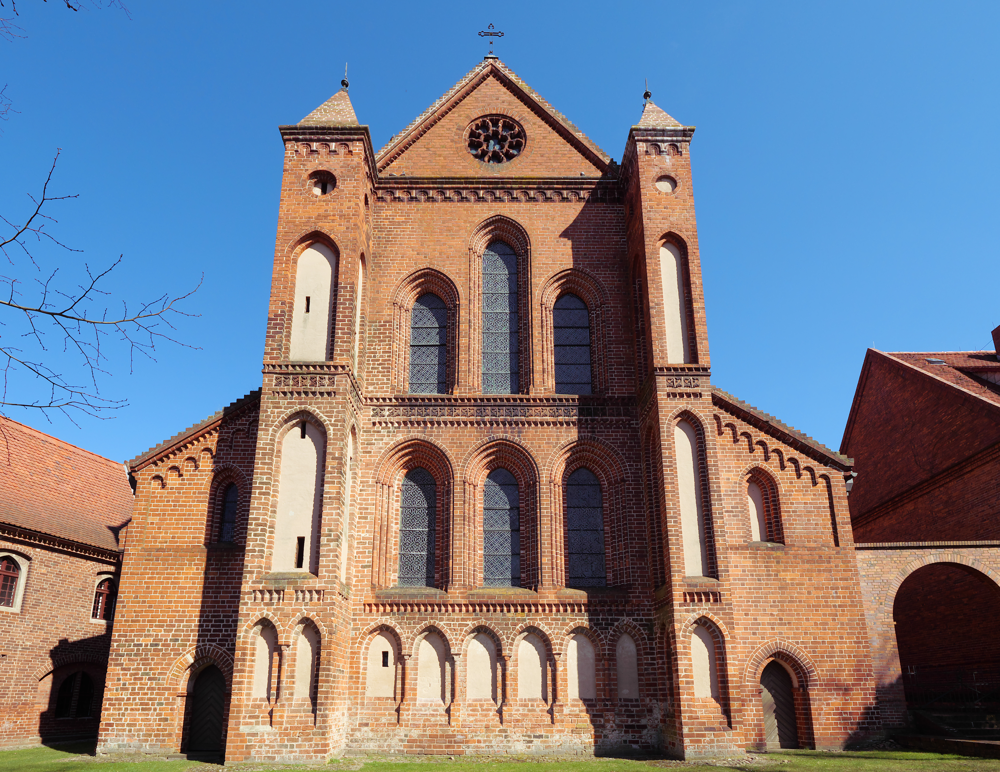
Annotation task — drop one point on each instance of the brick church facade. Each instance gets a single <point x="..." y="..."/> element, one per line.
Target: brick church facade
<point x="487" y="499"/>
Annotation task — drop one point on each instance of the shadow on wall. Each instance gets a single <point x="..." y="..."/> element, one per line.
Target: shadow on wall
<point x="72" y="690"/>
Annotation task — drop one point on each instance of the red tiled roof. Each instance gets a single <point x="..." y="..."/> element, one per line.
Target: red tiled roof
<point x="52" y="487"/>
<point x="336" y="110"/>
<point x="654" y="117"/>
<point x="970" y="371"/>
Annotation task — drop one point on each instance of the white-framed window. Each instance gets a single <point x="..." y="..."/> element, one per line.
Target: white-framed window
<point x="13" y="577"/>
<point x="105" y="599"/>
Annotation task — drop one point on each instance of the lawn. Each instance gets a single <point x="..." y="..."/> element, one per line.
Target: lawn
<point x="79" y="758"/>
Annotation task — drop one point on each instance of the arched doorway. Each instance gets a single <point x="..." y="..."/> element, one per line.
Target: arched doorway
<point x="947" y="622"/>
<point x="208" y="702"/>
<point x="777" y="694"/>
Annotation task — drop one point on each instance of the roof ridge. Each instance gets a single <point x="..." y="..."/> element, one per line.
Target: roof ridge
<point x="193" y="428"/>
<point x="782" y="426"/>
<point x="507" y="72"/>
<point x="61" y="441"/>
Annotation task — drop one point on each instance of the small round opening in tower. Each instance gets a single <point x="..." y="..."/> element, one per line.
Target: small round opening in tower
<point x="495" y="139"/>
<point x="322" y="182"/>
<point x="666" y="183"/>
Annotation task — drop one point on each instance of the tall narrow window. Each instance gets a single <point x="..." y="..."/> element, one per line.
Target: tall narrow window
<point x="300" y="499"/>
<point x="428" y="345"/>
<point x="104" y="600"/>
<point x="694" y="531"/>
<point x="501" y="530"/>
<point x="227" y="524"/>
<point x="345" y="546"/>
<point x="571" y="326"/>
<point x="359" y="302"/>
<point x="418" y="506"/>
<point x="312" y="329"/>
<point x="10" y="571"/>
<point x="500" y="320"/>
<point x="584" y="530"/>
<point x="675" y="304"/>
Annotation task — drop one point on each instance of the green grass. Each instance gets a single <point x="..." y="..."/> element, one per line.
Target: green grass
<point x="80" y="758"/>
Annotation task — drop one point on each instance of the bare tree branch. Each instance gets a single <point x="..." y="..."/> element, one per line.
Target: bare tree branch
<point x="66" y="324"/>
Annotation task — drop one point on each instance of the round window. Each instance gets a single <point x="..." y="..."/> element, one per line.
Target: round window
<point x="495" y="139"/>
<point x="666" y="183"/>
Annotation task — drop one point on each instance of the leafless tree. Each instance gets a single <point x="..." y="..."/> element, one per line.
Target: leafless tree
<point x="9" y="29"/>
<point x="55" y="324"/>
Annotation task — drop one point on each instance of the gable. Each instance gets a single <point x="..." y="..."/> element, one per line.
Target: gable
<point x="436" y="145"/>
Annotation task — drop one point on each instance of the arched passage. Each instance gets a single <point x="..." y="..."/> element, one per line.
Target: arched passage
<point x="777" y="694"/>
<point x="208" y="702"/>
<point x="947" y="622"/>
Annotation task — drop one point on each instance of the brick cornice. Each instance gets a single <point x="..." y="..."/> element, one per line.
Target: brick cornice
<point x="47" y="541"/>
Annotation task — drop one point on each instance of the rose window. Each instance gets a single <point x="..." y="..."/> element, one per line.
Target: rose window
<point x="495" y="139"/>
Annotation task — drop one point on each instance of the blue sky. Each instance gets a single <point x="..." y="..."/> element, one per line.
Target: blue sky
<point x="845" y="167"/>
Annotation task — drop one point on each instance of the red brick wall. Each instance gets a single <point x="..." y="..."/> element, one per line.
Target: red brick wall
<point x="51" y="637"/>
<point x="179" y="589"/>
<point x="598" y="236"/>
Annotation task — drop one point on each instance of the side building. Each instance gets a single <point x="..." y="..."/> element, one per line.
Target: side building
<point x="924" y="430"/>
<point x="64" y="516"/>
<point x="488" y="499"/>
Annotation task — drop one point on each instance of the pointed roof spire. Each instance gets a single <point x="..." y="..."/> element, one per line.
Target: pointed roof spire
<point x="336" y="110"/>
<point x="655" y="118"/>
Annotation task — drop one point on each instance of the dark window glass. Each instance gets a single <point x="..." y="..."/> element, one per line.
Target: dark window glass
<point x="418" y="505"/>
<point x="428" y="345"/>
<point x="585" y="530"/>
<point x="230" y="503"/>
<point x="571" y="323"/>
<point x="85" y="698"/>
<point x="104" y="600"/>
<point x="9" y="573"/>
<point x="64" y="700"/>
<point x="501" y="530"/>
<point x="500" y="322"/>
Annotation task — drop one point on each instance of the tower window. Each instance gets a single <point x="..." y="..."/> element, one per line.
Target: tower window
<point x="300" y="551"/>
<point x="227" y="523"/>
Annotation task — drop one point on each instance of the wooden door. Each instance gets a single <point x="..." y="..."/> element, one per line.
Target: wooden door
<point x="777" y="696"/>
<point x="208" y="701"/>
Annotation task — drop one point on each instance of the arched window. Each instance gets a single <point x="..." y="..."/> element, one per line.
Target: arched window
<point x="571" y="326"/>
<point x="382" y="654"/>
<point x="704" y="667"/>
<point x="501" y="530"/>
<point x="694" y="523"/>
<point x="481" y="668"/>
<point x="313" y="312"/>
<point x="417" y="516"/>
<point x="432" y="683"/>
<point x="675" y="304"/>
<point x="75" y="698"/>
<point x="428" y="345"/>
<point x="300" y="499"/>
<point x="584" y="530"/>
<point x="345" y="545"/>
<point x="265" y="645"/>
<point x="500" y="320"/>
<point x="10" y="572"/>
<point x="581" y="669"/>
<point x="227" y="522"/>
<point x="307" y="664"/>
<point x="627" y="665"/>
<point x="105" y="598"/>
<point x="762" y="502"/>
<point x="359" y="302"/>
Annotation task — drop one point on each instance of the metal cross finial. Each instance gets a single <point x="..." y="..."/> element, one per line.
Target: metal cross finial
<point x="487" y="34"/>
<point x="344" y="82"/>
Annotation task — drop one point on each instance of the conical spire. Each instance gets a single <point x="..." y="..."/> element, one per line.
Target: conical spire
<point x="655" y="118"/>
<point x="336" y="110"/>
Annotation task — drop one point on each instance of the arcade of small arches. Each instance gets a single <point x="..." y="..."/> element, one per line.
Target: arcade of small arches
<point x="426" y="318"/>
